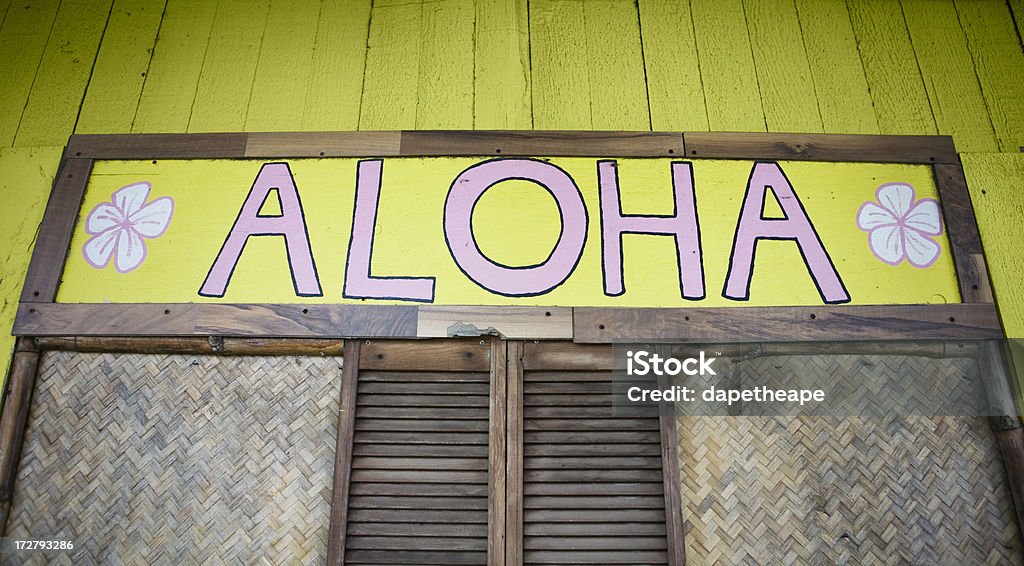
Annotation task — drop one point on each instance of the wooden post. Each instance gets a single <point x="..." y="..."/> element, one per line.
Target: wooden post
<point x="1004" y="420"/>
<point x="18" y="400"/>
<point x="343" y="454"/>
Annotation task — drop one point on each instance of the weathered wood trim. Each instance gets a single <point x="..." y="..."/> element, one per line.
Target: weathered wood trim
<point x="514" y="460"/>
<point x="59" y="219"/>
<point x="1011" y="447"/>
<point x="567" y="356"/>
<point x="962" y="229"/>
<point x="209" y="345"/>
<point x="192" y="319"/>
<point x="323" y="144"/>
<point x="518" y="323"/>
<point x="926" y="349"/>
<point x="157" y="146"/>
<point x="496" y="446"/>
<point x="787" y="324"/>
<point x="821" y="147"/>
<point x="343" y="454"/>
<point x="539" y="143"/>
<point x="468" y="354"/>
<point x="675" y="526"/>
<point x="17" y="402"/>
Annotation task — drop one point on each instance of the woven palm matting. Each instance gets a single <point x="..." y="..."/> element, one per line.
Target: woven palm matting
<point x="174" y="459"/>
<point x="894" y="489"/>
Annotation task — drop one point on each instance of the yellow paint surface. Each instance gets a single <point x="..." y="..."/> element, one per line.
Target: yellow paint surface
<point x="515" y="222"/>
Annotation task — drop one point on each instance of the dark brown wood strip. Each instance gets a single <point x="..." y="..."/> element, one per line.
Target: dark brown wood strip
<point x="594" y="515"/>
<point x="400" y="437"/>
<point x="821" y="147"/>
<point x="188" y="319"/>
<point x="421" y="425"/>
<point x="413" y="463"/>
<point x="418" y="476"/>
<point x="541" y="143"/>
<point x="515" y="476"/>
<point x="614" y="488"/>
<point x="415" y="502"/>
<point x="598" y="542"/>
<point x="435" y="355"/>
<point x="600" y="412"/>
<point x="208" y="345"/>
<point x="425" y="388"/>
<point x="343" y="455"/>
<point x="440" y="490"/>
<point x="598" y="424"/>
<point x="542" y="437"/>
<point x="496" y="474"/>
<point x="595" y="463"/>
<point x="458" y="413"/>
<point x="416" y="543"/>
<point x="59" y="219"/>
<point x="20" y="386"/>
<point x="560" y="356"/>
<point x="594" y="557"/>
<point x="403" y="377"/>
<point x="156" y="146"/>
<point x="613" y="476"/>
<point x="388" y="400"/>
<point x="418" y="516"/>
<point x="452" y="530"/>
<point x="675" y="525"/>
<point x="323" y="144"/>
<point x="962" y="230"/>
<point x="595" y="502"/>
<point x="415" y="557"/>
<point x="407" y="450"/>
<point x="598" y="448"/>
<point x="596" y="529"/>
<point x="788" y="324"/>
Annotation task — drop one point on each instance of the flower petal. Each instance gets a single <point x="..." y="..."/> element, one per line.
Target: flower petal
<point x="921" y="250"/>
<point x="98" y="249"/>
<point x="871" y="216"/>
<point x="896" y="198"/>
<point x="102" y="218"/>
<point x="924" y="217"/>
<point x="152" y="220"/>
<point x="887" y="244"/>
<point x="129" y="199"/>
<point x="131" y="250"/>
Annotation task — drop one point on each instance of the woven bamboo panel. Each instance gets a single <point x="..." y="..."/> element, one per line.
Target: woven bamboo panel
<point x="892" y="489"/>
<point x="142" y="459"/>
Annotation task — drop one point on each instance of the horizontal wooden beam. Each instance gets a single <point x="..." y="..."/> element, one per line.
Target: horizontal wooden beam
<point x="521" y="323"/>
<point x="210" y="345"/>
<point x="156" y="146"/>
<point x="323" y="144"/>
<point x="271" y="320"/>
<point x="543" y="143"/>
<point x="821" y="147"/>
<point x="787" y="324"/>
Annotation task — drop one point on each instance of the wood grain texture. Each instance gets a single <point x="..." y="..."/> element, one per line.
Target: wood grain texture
<point x="844" y="100"/>
<point x="269" y="320"/>
<point x="514" y="460"/>
<point x="496" y="446"/>
<point x="822" y="147"/>
<point x="566" y="356"/>
<point x="674" y="88"/>
<point x="519" y="323"/>
<point x="17" y="403"/>
<point x="285" y="67"/>
<point x="343" y="454"/>
<point x="121" y="67"/>
<point x="456" y="355"/>
<point x="165" y="104"/>
<point x="615" y="66"/>
<point x="388" y="100"/>
<point x="539" y="142"/>
<point x="949" y="77"/>
<point x="962" y="228"/>
<point x="333" y="144"/>
<point x="54" y="237"/>
<point x="339" y="59"/>
<point x="998" y="58"/>
<point x="444" y="87"/>
<point x="727" y="67"/>
<point x="786" y="324"/>
<point x="675" y="524"/>
<point x="558" y="55"/>
<point x="1017" y="6"/>
<point x="1011" y="448"/>
<point x="156" y="146"/>
<point x="64" y="73"/>
<point x="783" y="73"/>
<point x="890" y="66"/>
<point x="210" y="345"/>
<point x="225" y="83"/>
<point x="501" y="81"/>
<point x="23" y="36"/>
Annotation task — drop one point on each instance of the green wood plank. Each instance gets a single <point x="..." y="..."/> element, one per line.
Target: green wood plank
<point x="173" y="76"/>
<point x="558" y="54"/>
<point x="897" y="90"/>
<point x="1017" y="7"/>
<point x="727" y="66"/>
<point x="225" y="83"/>
<point x="392" y="68"/>
<point x="999" y="62"/>
<point x="22" y="41"/>
<point x="4" y="6"/>
<point x="502" y="67"/>
<point x="844" y="100"/>
<point x="445" y="82"/>
<point x="783" y="73"/>
<point x="615" y="64"/>
<point x="121" y="67"/>
<point x="949" y="77"/>
<point x="63" y="74"/>
<point x="673" y="68"/>
<point x="285" y="67"/>
<point x="339" y="59"/>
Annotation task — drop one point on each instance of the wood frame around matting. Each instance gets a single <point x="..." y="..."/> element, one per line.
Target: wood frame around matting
<point x="975" y="318"/>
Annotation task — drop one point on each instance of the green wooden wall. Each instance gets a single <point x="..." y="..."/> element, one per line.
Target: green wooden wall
<point x="860" y="66"/>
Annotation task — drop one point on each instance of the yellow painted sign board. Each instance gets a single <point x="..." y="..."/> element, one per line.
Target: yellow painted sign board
<point x="510" y="231"/>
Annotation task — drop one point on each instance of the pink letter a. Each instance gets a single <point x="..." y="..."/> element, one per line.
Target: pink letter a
<point x="291" y="224"/>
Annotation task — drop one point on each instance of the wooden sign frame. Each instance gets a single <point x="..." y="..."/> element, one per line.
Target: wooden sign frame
<point x="974" y="318"/>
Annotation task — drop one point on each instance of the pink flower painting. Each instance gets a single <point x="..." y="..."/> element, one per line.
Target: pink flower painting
<point x="900" y="227"/>
<point x="120" y="227"/>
